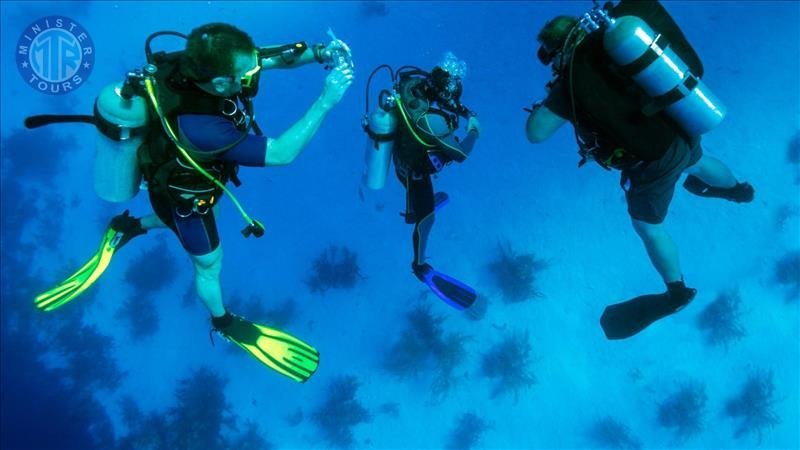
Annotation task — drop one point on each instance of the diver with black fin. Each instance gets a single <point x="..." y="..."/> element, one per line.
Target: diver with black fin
<point x="415" y="127"/>
<point x="630" y="83"/>
<point x="185" y="124"/>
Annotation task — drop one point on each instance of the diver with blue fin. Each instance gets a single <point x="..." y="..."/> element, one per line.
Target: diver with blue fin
<point x="414" y="127"/>
<point x="185" y="123"/>
<point x="630" y="83"/>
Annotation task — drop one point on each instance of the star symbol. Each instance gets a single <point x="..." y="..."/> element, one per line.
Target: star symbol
<point x="24" y="64"/>
<point x="86" y="65"/>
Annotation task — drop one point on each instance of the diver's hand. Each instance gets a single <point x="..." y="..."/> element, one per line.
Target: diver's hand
<point x="336" y="53"/>
<point x="336" y="84"/>
<point x="474" y="125"/>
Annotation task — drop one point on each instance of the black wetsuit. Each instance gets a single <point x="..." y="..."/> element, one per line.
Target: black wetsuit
<point x="416" y="161"/>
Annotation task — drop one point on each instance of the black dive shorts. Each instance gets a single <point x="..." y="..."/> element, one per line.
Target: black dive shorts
<point x="649" y="186"/>
<point x="196" y="232"/>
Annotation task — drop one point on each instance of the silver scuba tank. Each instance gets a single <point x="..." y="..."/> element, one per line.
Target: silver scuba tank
<point x="667" y="79"/>
<point x="122" y="124"/>
<point x="380" y="124"/>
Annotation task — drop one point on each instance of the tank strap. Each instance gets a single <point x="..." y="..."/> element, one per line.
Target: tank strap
<point x="672" y="96"/>
<point x="642" y="62"/>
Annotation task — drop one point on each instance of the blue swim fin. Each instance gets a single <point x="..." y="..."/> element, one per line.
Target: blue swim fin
<point x="453" y="292"/>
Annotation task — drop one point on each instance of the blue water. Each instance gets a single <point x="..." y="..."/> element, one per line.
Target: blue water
<point x="82" y="378"/>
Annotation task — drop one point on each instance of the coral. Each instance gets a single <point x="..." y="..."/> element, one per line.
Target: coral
<point x="684" y="410"/>
<point x="515" y="274"/>
<point x="141" y="315"/>
<point x="250" y="439"/>
<point x="753" y="407"/>
<point x="200" y="413"/>
<point x="341" y="412"/>
<point x="199" y="419"/>
<point x="793" y="150"/>
<point x="89" y="356"/>
<point x="189" y="296"/>
<point x="424" y="344"/>
<point x="787" y="274"/>
<point x="295" y="418"/>
<point x="720" y="320"/>
<point x="374" y="9"/>
<point x="468" y="432"/>
<point x="35" y="155"/>
<point x="391" y="409"/>
<point x="334" y="268"/>
<point x="607" y="432"/>
<point x="508" y="363"/>
<point x="784" y="214"/>
<point x="151" y="271"/>
<point x="40" y="408"/>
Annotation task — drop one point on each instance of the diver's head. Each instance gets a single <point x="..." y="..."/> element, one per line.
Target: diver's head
<point x="553" y="36"/>
<point x="445" y="82"/>
<point x="221" y="59"/>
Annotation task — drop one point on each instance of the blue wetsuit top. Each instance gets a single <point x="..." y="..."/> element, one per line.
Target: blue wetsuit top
<point x="198" y="232"/>
<point x="210" y="132"/>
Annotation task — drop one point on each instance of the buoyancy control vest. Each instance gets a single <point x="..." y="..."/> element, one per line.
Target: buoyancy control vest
<point x="416" y="147"/>
<point x="167" y="172"/>
<point x="609" y="108"/>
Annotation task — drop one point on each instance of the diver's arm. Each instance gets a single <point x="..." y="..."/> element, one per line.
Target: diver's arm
<point x="542" y="124"/>
<point x="288" y="57"/>
<point x="284" y="150"/>
<point x="436" y="126"/>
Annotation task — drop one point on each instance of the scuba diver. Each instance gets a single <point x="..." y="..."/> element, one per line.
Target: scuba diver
<point x="428" y="108"/>
<point x="637" y="104"/>
<point x="186" y="122"/>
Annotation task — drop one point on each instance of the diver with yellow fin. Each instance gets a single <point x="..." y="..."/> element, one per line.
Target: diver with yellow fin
<point x="185" y="123"/>
<point x="630" y="83"/>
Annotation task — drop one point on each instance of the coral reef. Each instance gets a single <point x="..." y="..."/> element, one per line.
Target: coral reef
<point x="199" y="419"/>
<point x="250" y="439"/>
<point x="152" y="271"/>
<point x="89" y="356"/>
<point x="793" y="150"/>
<point x="467" y="433"/>
<point x="141" y="315"/>
<point x="422" y="345"/>
<point x="33" y="393"/>
<point x="684" y="410"/>
<point x="148" y="274"/>
<point x="335" y="268"/>
<point x="391" y="409"/>
<point x="295" y="418"/>
<point x="720" y="320"/>
<point x="508" y="363"/>
<point x="607" y="432"/>
<point x="515" y="274"/>
<point x="787" y="274"/>
<point x="374" y="9"/>
<point x="341" y="412"/>
<point x="754" y="406"/>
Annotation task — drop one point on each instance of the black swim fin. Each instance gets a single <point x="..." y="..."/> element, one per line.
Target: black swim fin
<point x="623" y="320"/>
<point x="741" y="193"/>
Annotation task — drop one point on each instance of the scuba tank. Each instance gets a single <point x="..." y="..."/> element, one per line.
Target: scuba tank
<point x="380" y="125"/>
<point x="122" y="123"/>
<point x="645" y="56"/>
